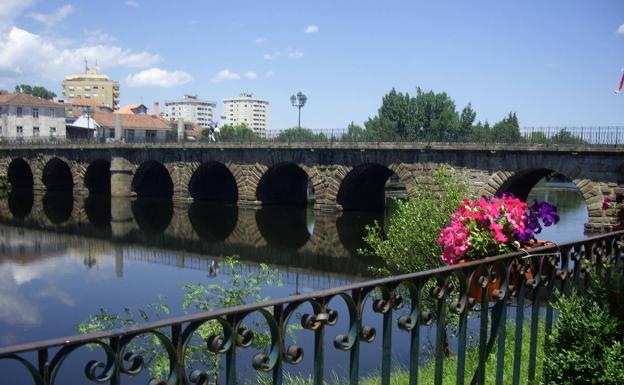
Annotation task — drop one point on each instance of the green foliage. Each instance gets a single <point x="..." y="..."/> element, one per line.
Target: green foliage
<point x="586" y="347"/>
<point x="241" y="288"/>
<point x="355" y="133"/>
<point x="566" y="137"/>
<point x="433" y="117"/>
<point x="426" y="374"/>
<point x="239" y="133"/>
<point x="37" y="91"/>
<point x="507" y="130"/>
<point x="411" y="242"/>
<point x="303" y="135"/>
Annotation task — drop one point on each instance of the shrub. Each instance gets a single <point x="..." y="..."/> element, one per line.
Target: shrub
<point x="586" y="346"/>
<point x="411" y="240"/>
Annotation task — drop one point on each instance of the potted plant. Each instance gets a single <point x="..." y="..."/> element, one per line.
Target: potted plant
<point x="493" y="225"/>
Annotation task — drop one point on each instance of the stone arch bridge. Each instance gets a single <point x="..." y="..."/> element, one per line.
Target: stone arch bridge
<point x="343" y="176"/>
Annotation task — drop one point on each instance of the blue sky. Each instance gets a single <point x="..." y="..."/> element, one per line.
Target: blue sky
<point x="553" y="62"/>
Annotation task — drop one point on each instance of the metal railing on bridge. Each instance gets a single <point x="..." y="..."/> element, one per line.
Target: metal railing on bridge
<point x="546" y="136"/>
<point x="554" y="269"/>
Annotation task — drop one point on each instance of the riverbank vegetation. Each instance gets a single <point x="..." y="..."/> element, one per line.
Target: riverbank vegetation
<point x="426" y="373"/>
<point x="410" y="242"/>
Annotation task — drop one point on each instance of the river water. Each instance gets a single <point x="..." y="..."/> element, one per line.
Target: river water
<point x="62" y="258"/>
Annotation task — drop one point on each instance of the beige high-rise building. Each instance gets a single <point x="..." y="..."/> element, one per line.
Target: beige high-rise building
<point x="92" y="85"/>
<point x="246" y="109"/>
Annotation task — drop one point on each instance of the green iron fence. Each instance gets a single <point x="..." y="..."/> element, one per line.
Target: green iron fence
<point x="488" y="287"/>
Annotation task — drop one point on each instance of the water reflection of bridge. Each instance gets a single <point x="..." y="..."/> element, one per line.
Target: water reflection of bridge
<point x="276" y="235"/>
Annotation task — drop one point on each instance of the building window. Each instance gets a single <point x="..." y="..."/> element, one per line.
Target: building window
<point x="130" y="134"/>
<point x="0" y="130"/>
<point x="111" y="133"/>
<point x="52" y="131"/>
<point x="150" y="135"/>
<point x="52" y="113"/>
<point x="19" y="130"/>
<point x="35" y="113"/>
<point x="19" y="112"/>
<point x="35" y="131"/>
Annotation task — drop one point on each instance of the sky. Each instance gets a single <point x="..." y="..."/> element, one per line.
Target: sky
<point x="554" y="63"/>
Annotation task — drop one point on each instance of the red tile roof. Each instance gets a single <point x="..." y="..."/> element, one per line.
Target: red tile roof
<point x="151" y="122"/>
<point x="26" y="99"/>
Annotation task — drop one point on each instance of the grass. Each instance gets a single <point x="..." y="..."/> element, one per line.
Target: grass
<point x="400" y="375"/>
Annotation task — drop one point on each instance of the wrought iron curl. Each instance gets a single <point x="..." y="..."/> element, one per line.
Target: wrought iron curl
<point x="464" y="302"/>
<point x="346" y="341"/>
<point x="261" y="361"/>
<point x="95" y="371"/>
<point x="408" y="322"/>
<point x="32" y="370"/>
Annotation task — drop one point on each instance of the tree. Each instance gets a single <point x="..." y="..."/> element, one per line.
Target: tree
<point x="566" y="137"/>
<point x="427" y="116"/>
<point x="466" y="121"/>
<point x="296" y="134"/>
<point x="411" y="242"/>
<point x="507" y="130"/>
<point x="354" y="133"/>
<point x="238" y="133"/>
<point x="37" y="91"/>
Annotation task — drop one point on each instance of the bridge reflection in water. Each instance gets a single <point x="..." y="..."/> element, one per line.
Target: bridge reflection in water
<point x="296" y="238"/>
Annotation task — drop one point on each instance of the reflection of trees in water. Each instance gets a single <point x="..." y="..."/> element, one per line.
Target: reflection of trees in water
<point x="153" y="215"/>
<point x="98" y="210"/>
<point x="21" y="202"/>
<point x="565" y="199"/>
<point x="283" y="226"/>
<point x="351" y="226"/>
<point x="213" y="222"/>
<point x="58" y="206"/>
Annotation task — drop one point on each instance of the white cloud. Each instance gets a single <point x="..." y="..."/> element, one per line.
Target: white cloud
<point x="251" y="75"/>
<point x="26" y="54"/>
<point x="295" y="54"/>
<point x="268" y="74"/>
<point x="156" y="77"/>
<point x="225" y="75"/>
<point x="260" y="40"/>
<point x="271" y="56"/>
<point x="97" y="36"/>
<point x="620" y="30"/>
<point x="311" y="29"/>
<point x="51" y="19"/>
<point x="131" y="3"/>
<point x="10" y="9"/>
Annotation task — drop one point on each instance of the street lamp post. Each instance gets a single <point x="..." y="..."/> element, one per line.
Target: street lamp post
<point x="298" y="101"/>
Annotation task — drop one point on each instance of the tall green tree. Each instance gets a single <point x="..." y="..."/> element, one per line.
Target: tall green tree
<point x="427" y="116"/>
<point x="354" y="133"/>
<point x="237" y="133"/>
<point x="37" y="91"/>
<point x="296" y="134"/>
<point x="507" y="130"/>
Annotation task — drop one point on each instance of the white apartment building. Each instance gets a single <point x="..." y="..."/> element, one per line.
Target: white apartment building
<point x="26" y="116"/>
<point x="247" y="110"/>
<point x="191" y="109"/>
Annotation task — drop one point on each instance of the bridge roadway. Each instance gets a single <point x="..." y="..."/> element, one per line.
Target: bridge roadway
<point x="343" y="176"/>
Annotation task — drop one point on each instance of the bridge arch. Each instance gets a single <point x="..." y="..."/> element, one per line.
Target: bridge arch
<point x="19" y="174"/>
<point x="58" y="206"/>
<point x="97" y="178"/>
<point x="152" y="179"/>
<point x="521" y="183"/>
<point x="283" y="184"/>
<point x="21" y="203"/>
<point x="57" y="175"/>
<point x="213" y="181"/>
<point x="364" y="187"/>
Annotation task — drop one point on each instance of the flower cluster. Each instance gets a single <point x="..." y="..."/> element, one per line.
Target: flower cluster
<point x="616" y="207"/>
<point x="493" y="225"/>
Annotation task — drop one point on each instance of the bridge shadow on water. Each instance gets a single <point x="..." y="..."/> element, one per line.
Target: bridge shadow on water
<point x="283" y="235"/>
